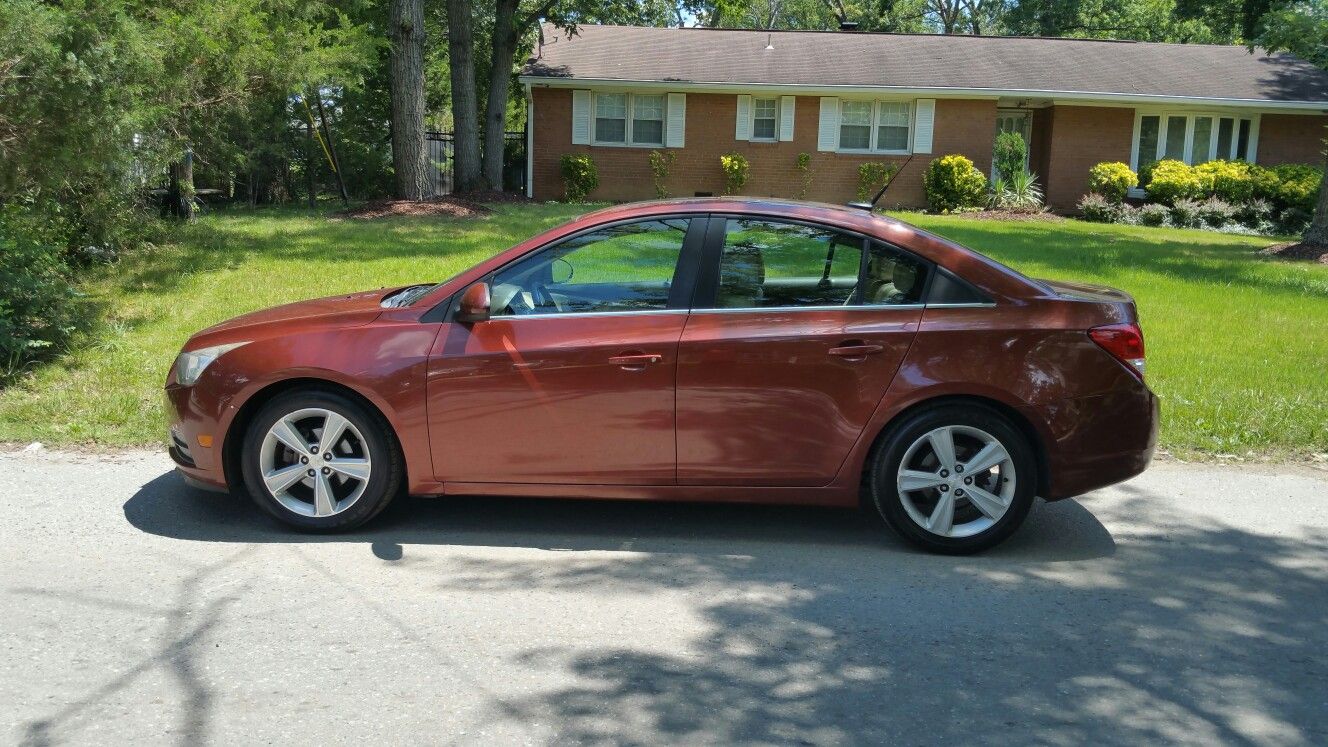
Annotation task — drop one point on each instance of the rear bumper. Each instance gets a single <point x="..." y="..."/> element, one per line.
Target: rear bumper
<point x="1099" y="440"/>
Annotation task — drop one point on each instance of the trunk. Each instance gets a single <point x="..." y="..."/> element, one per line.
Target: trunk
<point x="465" y="111"/>
<point x="1317" y="233"/>
<point x="180" y="197"/>
<point x="332" y="151"/>
<point x="410" y="161"/>
<point x="500" y="80"/>
<point x="309" y="160"/>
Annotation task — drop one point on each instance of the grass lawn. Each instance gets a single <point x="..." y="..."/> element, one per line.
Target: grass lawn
<point x="1238" y="345"/>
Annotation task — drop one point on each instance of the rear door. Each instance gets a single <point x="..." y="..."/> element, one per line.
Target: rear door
<point x="795" y="334"/>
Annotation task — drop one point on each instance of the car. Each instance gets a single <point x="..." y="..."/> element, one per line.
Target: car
<point x="708" y="349"/>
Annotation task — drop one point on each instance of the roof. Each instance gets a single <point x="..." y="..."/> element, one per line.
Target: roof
<point x="1022" y="65"/>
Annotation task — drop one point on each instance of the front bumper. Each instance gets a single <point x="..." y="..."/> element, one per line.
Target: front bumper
<point x="195" y="438"/>
<point x="1099" y="440"/>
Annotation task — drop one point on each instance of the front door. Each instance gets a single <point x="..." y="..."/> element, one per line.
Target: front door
<point x="1018" y="121"/>
<point x="793" y="343"/>
<point x="572" y="379"/>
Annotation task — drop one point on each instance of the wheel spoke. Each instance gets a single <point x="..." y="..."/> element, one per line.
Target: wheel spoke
<point x="325" y="503"/>
<point x="942" y="443"/>
<point x="356" y="468"/>
<point x="333" y="426"/>
<point x="991" y="505"/>
<point x="279" y="480"/>
<point x="942" y="516"/>
<point x="991" y="455"/>
<point x="287" y="434"/>
<point x="911" y="479"/>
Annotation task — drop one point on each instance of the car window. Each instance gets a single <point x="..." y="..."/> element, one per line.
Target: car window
<point x="893" y="277"/>
<point x="627" y="267"/>
<point x="769" y="264"/>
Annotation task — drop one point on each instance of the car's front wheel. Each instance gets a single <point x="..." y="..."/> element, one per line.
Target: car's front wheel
<point x="954" y="479"/>
<point x="319" y="461"/>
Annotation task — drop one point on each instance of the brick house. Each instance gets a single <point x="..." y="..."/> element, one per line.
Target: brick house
<point x="844" y="98"/>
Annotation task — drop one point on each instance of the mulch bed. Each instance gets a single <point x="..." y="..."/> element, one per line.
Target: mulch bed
<point x="451" y="206"/>
<point x="1297" y="250"/>
<point x="1013" y="215"/>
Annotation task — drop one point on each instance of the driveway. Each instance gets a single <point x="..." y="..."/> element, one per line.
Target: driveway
<point x="1188" y="606"/>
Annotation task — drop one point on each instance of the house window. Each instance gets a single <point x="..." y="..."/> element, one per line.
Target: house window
<point x="880" y="126"/>
<point x="764" y="119"/>
<point x="1192" y="138"/>
<point x="645" y="126"/>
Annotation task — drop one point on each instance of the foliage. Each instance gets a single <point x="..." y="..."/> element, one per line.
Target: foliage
<point x="660" y="164"/>
<point x="804" y="166"/>
<point x="1185" y="213"/>
<point x="1297" y="186"/>
<point x="1254" y="212"/>
<point x="735" y="168"/>
<point x="1173" y="180"/>
<point x="873" y="175"/>
<point x="1020" y="192"/>
<point x="1229" y="180"/>
<point x="1216" y="212"/>
<point x="1153" y="214"/>
<point x="36" y="300"/>
<point x="580" y="175"/>
<point x="1009" y="154"/>
<point x="1098" y="209"/>
<point x="952" y="182"/>
<point x="1112" y="179"/>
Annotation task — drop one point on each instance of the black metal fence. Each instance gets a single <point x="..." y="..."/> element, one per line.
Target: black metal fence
<point x="442" y="160"/>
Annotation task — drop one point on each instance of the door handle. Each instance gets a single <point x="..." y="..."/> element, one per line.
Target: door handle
<point x="855" y="351"/>
<point x="635" y="361"/>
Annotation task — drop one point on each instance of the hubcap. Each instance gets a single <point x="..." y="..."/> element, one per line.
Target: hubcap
<point x="315" y="433"/>
<point x="956" y="481"/>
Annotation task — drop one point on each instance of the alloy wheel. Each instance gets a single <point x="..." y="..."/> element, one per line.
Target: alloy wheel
<point x="956" y="481"/>
<point x="315" y="462"/>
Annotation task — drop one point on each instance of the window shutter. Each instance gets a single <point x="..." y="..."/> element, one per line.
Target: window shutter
<point x="924" y="119"/>
<point x="827" y="138"/>
<point x="744" y="129"/>
<point x="677" y="124"/>
<point x="786" y="105"/>
<point x="580" y="117"/>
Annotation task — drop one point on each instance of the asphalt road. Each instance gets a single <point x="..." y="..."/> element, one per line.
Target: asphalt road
<point x="1187" y="606"/>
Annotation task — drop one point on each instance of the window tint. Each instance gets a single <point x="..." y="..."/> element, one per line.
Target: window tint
<point x="767" y="264"/>
<point x="893" y="277"/>
<point x="628" y="267"/>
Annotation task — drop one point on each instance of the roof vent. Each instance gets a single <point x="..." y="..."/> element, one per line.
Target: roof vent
<point x="848" y="25"/>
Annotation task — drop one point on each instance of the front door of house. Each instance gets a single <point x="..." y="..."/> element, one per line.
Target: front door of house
<point x="1018" y="121"/>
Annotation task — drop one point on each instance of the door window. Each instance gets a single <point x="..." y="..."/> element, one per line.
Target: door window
<point x="628" y="267"/>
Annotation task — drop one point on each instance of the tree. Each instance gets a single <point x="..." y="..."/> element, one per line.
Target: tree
<point x="410" y="162"/>
<point x="465" y="109"/>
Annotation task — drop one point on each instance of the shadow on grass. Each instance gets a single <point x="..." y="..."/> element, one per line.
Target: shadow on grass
<point x="818" y="628"/>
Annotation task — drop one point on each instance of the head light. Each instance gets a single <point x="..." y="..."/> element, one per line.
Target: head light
<point x="191" y="363"/>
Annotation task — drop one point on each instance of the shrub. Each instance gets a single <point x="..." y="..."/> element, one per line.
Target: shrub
<point x="952" y="182"/>
<point x="1185" y="213"/>
<point x="1127" y="214"/>
<point x="1153" y="214"/>
<point x="1146" y="174"/>
<point x="660" y="163"/>
<point x="1228" y="180"/>
<point x="805" y="169"/>
<point x="1008" y="154"/>
<point x="1216" y="212"/>
<point x="1293" y="221"/>
<point x="36" y="299"/>
<point x="1112" y="179"/>
<point x="1020" y="193"/>
<point x="1254" y="212"/>
<point x="1172" y="181"/>
<point x="580" y="175"/>
<point x="1298" y="186"/>
<point x="1098" y="209"/>
<point x="872" y="176"/>
<point x="735" y="172"/>
<point x="1264" y="183"/>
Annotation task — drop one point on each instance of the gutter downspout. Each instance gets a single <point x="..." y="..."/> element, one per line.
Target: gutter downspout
<point x="530" y="142"/>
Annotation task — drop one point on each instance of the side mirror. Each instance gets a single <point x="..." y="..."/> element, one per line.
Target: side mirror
<point x="474" y="304"/>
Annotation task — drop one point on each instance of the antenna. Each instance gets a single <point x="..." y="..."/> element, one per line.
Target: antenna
<point x="870" y="206"/>
<point x="768" y="44"/>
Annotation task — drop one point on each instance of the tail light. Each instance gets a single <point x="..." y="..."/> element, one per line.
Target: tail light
<point x="1125" y="342"/>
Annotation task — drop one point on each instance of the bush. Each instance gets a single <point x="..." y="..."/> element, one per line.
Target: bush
<point x="1020" y="193"/>
<point x="1172" y="181"/>
<point x="1297" y="187"/>
<point x="1254" y="212"/>
<point x="804" y="166"/>
<point x="1293" y="221"/>
<point x="1185" y="213"/>
<point x="1098" y="209"/>
<point x="1216" y="212"/>
<point x="660" y="164"/>
<point x="1153" y="214"/>
<point x="580" y="175"/>
<point x="1008" y="155"/>
<point x="735" y="172"/>
<point x="1264" y="183"/>
<point x="1112" y="179"/>
<point x="952" y="183"/>
<point x="36" y="299"/>
<point x="1228" y="180"/>
<point x="873" y="175"/>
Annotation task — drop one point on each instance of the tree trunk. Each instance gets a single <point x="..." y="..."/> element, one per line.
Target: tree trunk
<point x="465" y="108"/>
<point x="1317" y="233"/>
<point x="180" y="196"/>
<point x="500" y="82"/>
<point x="410" y="162"/>
<point x="310" y="158"/>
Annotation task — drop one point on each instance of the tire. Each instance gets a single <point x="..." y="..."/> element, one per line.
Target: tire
<point x="979" y="519"/>
<point x="366" y="444"/>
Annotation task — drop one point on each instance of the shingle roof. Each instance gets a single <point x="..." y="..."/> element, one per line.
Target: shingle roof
<point x="927" y="61"/>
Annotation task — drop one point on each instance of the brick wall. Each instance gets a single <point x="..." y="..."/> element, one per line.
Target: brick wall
<point x="962" y="126"/>
<point x="1079" y="138"/>
<point x="1291" y="138"/>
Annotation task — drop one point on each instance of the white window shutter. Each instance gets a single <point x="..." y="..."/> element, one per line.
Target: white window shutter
<point x="677" y="124"/>
<point x="580" y="117"/>
<point x="744" y="129"/>
<point x="786" y="106"/>
<point x="827" y="138"/>
<point x="924" y="119"/>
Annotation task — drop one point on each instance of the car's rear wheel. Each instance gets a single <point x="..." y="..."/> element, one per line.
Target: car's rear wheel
<point x="954" y="479"/>
<point x="319" y="461"/>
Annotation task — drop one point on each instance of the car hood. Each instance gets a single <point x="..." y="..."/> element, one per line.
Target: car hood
<point x="352" y="310"/>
